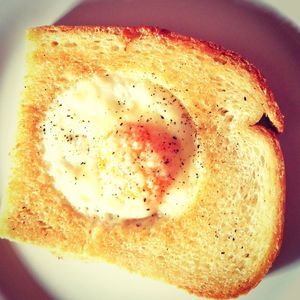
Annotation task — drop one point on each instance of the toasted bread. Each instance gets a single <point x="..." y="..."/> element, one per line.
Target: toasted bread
<point x="224" y="241"/>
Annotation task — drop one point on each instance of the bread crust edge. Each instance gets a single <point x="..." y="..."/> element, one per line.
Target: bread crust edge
<point x="132" y="33"/>
<point x="218" y="52"/>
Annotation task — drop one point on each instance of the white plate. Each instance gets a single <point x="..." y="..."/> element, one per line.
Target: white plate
<point x="258" y="34"/>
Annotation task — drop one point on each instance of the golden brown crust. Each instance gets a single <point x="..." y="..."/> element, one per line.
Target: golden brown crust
<point x="155" y="242"/>
<point x="278" y="229"/>
<point x="219" y="53"/>
<point x="277" y="233"/>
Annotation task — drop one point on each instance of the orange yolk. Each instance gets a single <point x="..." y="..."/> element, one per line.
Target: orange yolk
<point x="147" y="158"/>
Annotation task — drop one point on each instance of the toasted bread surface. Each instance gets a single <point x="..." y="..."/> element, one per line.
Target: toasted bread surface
<point x="227" y="239"/>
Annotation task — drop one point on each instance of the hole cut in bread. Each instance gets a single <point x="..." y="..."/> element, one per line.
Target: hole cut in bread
<point x="228" y="229"/>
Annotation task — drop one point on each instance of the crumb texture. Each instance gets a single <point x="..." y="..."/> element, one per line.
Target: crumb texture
<point x="225" y="241"/>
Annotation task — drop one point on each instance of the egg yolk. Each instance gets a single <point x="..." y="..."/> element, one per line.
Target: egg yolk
<point x="138" y="164"/>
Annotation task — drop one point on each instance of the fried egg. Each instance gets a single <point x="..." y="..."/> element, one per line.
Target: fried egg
<point x="122" y="146"/>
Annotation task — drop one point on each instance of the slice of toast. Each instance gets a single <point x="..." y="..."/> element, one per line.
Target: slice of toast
<point x="228" y="229"/>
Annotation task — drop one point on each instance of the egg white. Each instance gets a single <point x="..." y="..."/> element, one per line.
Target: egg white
<point x="75" y="134"/>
